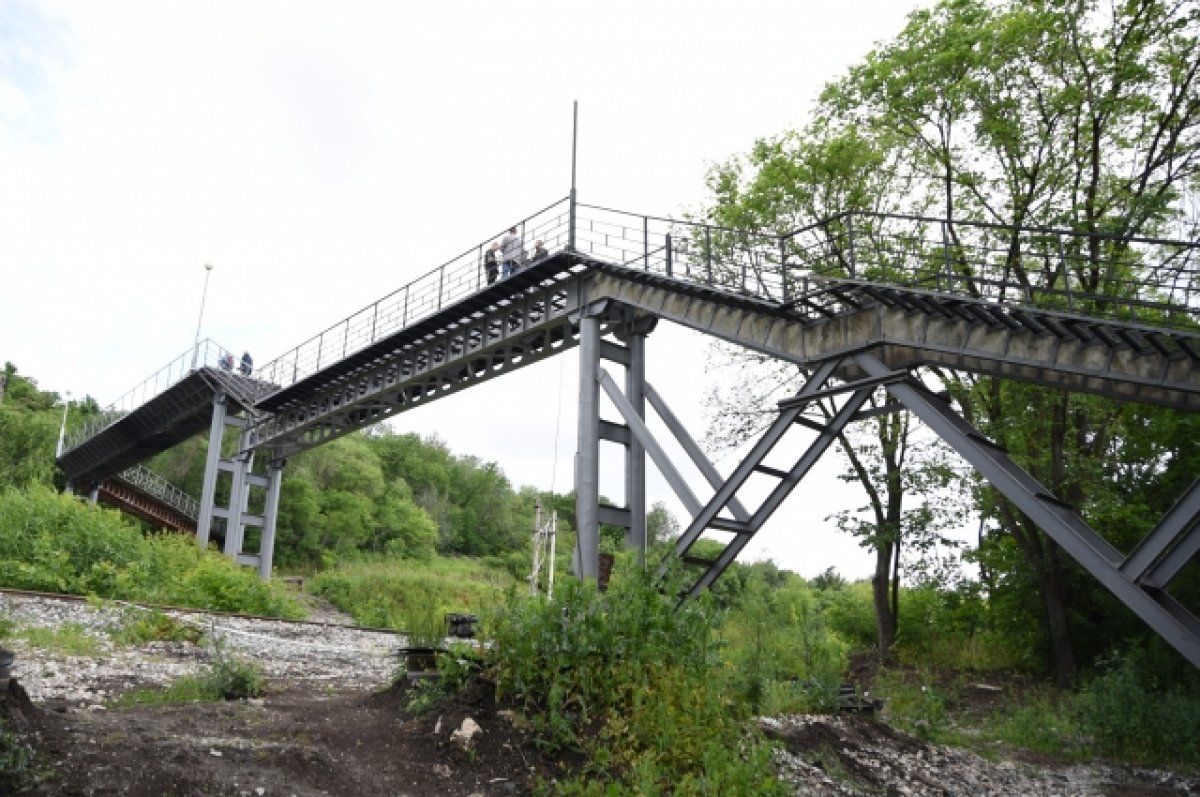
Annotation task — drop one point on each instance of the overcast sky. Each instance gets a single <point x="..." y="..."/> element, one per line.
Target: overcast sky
<point x="321" y="155"/>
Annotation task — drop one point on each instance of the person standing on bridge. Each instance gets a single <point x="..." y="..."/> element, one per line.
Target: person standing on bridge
<point x="247" y="365"/>
<point x="490" y="266"/>
<point x="539" y="253"/>
<point x="512" y="252"/>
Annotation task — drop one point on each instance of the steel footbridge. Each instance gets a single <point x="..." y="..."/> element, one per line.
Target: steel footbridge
<point x="862" y="302"/>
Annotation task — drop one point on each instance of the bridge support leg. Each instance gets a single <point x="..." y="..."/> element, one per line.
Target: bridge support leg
<point x="208" y="492"/>
<point x="587" y="454"/>
<point x="266" y="550"/>
<point x="1162" y="612"/>
<point x="635" y="452"/>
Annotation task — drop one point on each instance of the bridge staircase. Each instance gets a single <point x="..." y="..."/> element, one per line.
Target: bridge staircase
<point x="146" y="495"/>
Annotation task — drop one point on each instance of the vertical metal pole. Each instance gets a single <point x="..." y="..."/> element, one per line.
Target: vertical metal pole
<point x="574" y="148"/>
<point x="196" y="347"/>
<point x="266" y="549"/>
<point x="646" y="242"/>
<point x="668" y="254"/>
<point x="708" y="253"/>
<point x="850" y="242"/>
<point x="441" y="285"/>
<point x="587" y="456"/>
<point x="635" y="453"/>
<point x="783" y="275"/>
<point x="208" y="493"/>
<point x="235" y="531"/>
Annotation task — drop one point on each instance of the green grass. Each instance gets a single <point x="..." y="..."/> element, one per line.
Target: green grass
<point x="227" y="677"/>
<point x="402" y="593"/>
<point x="137" y="626"/>
<point x="70" y="639"/>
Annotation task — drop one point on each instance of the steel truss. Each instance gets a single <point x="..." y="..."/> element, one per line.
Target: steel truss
<point x="516" y="331"/>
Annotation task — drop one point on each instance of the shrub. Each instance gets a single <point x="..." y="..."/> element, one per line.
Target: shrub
<point x="15" y="757"/>
<point x="57" y="543"/>
<point x="633" y="682"/>
<point x="1126" y="714"/>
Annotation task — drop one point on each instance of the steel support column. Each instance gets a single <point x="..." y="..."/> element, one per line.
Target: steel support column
<point x="266" y="550"/>
<point x="208" y="493"/>
<point x="587" y="454"/>
<point x="239" y="498"/>
<point x="635" y="453"/>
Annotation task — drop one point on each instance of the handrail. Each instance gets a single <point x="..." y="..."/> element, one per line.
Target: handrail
<point x="1146" y="280"/>
<point x="425" y="296"/>
<point x="155" y="485"/>
<point x="207" y="353"/>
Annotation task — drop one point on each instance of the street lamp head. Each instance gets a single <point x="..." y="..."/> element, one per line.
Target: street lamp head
<point x="208" y="267"/>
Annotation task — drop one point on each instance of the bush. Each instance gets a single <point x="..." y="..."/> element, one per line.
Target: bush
<point x="1125" y="714"/>
<point x="57" y="543"/>
<point x="15" y="757"/>
<point x="634" y="683"/>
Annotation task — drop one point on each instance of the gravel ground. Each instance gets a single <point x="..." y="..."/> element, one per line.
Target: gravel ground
<point x="331" y="655"/>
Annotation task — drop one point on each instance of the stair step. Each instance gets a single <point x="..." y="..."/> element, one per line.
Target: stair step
<point x="725" y="524"/>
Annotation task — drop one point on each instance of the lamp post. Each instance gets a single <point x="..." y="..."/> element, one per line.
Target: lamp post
<point x="62" y="429"/>
<point x="196" y="347"/>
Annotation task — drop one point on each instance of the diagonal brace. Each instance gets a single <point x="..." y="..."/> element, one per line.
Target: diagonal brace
<point x="1095" y="554"/>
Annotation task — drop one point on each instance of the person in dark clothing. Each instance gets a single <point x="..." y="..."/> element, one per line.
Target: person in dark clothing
<point x="247" y="364"/>
<point x="539" y="253"/>
<point x="490" y="265"/>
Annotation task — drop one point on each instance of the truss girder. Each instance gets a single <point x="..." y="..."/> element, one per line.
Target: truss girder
<point x="941" y="331"/>
<point x="524" y="329"/>
<point x="1159" y="610"/>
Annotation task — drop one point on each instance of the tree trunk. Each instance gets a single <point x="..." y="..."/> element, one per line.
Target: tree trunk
<point x="1058" y="629"/>
<point x="885" y="615"/>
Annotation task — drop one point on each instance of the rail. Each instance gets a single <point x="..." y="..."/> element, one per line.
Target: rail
<point x="1147" y="281"/>
<point x="425" y="296"/>
<point x="207" y="353"/>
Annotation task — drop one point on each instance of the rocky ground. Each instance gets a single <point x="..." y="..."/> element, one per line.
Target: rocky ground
<point x="333" y="724"/>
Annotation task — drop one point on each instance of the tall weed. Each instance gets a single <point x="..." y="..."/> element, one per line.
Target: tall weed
<point x="633" y="682"/>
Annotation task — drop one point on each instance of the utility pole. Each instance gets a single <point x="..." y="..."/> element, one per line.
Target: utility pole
<point x="62" y="429"/>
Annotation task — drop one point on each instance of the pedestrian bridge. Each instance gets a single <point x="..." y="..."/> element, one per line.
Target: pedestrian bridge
<point x="863" y="302"/>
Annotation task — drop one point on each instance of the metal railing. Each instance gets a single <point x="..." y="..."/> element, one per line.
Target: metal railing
<point x="206" y="354"/>
<point x="154" y="485"/>
<point x="1140" y="280"/>
<point x="425" y="296"/>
